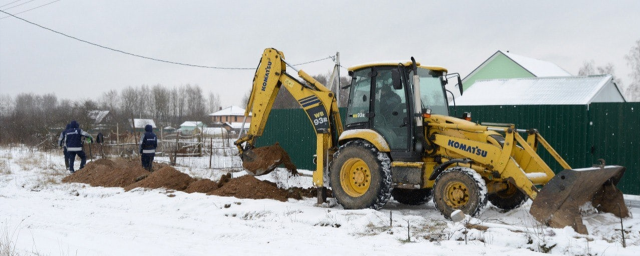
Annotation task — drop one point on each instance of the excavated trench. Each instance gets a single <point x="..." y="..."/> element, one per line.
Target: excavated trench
<point x="129" y="174"/>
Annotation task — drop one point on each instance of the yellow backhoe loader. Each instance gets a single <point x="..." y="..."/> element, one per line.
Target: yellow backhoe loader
<point x="399" y="140"/>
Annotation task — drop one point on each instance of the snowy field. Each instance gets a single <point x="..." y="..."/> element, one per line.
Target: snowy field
<point x="39" y="215"/>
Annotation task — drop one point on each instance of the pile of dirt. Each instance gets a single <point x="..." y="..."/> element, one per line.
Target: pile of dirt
<point x="202" y="186"/>
<point x="250" y="187"/>
<point x="129" y="174"/>
<point x="167" y="177"/>
<point x="107" y="173"/>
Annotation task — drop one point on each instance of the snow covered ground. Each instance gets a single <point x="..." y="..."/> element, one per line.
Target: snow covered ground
<point x="39" y="215"/>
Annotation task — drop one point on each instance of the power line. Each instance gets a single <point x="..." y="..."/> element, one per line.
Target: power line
<point x="145" y="57"/>
<point x="308" y="62"/>
<point x="31" y="9"/>
<point x="10" y="3"/>
<point x="18" y="5"/>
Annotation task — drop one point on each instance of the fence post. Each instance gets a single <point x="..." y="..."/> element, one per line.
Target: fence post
<point x="175" y="152"/>
<point x="211" y="155"/>
<point x="200" y="144"/>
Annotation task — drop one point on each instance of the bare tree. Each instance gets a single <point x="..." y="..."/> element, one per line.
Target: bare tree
<point x="195" y="103"/>
<point x="213" y="103"/>
<point x="81" y="113"/>
<point x="245" y="99"/>
<point x="129" y="102"/>
<point x="109" y="100"/>
<point x="144" y="106"/>
<point x="633" y="61"/>
<point x="589" y="68"/>
<point x="161" y="102"/>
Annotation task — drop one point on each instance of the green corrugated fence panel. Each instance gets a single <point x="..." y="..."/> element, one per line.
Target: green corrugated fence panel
<point x="612" y="129"/>
<point x="562" y="126"/>
<point x="614" y="134"/>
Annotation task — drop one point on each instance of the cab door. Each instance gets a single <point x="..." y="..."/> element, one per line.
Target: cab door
<point x="390" y="108"/>
<point x="375" y="104"/>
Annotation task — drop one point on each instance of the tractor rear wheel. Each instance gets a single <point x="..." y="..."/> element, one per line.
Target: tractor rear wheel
<point x="460" y="188"/>
<point x="412" y="196"/>
<point x="360" y="176"/>
<point x="508" y="199"/>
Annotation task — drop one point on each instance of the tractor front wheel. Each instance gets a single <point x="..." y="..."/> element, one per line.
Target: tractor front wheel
<point x="508" y="199"/>
<point x="360" y="176"/>
<point x="459" y="188"/>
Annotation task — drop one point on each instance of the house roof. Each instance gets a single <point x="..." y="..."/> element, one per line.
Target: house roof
<point x="542" y="91"/>
<point x="192" y="124"/>
<point x="98" y="115"/>
<point x="230" y="111"/>
<point x="237" y="125"/>
<point x="537" y="68"/>
<point x="141" y="123"/>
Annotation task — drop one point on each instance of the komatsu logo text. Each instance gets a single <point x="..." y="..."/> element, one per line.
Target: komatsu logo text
<point x="266" y="76"/>
<point x="464" y="147"/>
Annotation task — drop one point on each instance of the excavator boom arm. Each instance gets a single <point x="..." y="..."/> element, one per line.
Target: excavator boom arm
<point x="318" y="102"/>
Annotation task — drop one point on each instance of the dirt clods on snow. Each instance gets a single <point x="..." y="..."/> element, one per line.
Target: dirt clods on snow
<point x="129" y="175"/>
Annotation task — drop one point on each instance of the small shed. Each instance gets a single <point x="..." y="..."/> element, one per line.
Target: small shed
<point x="569" y="90"/>
<point x="101" y="120"/>
<point x="189" y="126"/>
<point x="168" y="129"/>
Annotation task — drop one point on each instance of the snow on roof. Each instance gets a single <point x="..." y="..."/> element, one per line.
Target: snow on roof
<point x="230" y="111"/>
<point x="213" y="130"/>
<point x="394" y="63"/>
<point x="98" y="115"/>
<point x="141" y="123"/>
<point x="541" y="91"/>
<point x="237" y="125"/>
<point x="192" y="124"/>
<point x="538" y="68"/>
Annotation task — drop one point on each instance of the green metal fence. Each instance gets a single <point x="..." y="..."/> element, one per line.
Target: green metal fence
<point x="580" y="134"/>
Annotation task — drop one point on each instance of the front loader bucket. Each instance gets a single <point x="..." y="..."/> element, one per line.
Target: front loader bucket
<point x="558" y="203"/>
<point x="263" y="160"/>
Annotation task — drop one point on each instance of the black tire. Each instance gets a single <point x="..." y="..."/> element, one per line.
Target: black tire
<point x="459" y="188"/>
<point x="360" y="176"/>
<point x="412" y="196"/>
<point x="508" y="199"/>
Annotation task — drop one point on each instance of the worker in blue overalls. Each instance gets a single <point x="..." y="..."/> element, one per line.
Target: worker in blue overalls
<point x="63" y="144"/>
<point x="74" y="136"/>
<point x="148" y="145"/>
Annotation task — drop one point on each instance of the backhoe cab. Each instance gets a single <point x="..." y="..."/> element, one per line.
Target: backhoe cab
<point x="399" y="140"/>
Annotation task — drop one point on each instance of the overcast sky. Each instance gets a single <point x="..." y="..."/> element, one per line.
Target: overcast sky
<point x="458" y="35"/>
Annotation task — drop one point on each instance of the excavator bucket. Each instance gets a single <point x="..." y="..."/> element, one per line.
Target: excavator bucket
<point x="558" y="203"/>
<point x="263" y="160"/>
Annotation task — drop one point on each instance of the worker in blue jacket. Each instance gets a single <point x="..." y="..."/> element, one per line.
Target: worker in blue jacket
<point x="63" y="144"/>
<point x="148" y="145"/>
<point x="74" y="137"/>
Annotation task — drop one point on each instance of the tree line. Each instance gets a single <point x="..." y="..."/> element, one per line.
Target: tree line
<point x="631" y="91"/>
<point x="30" y="118"/>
